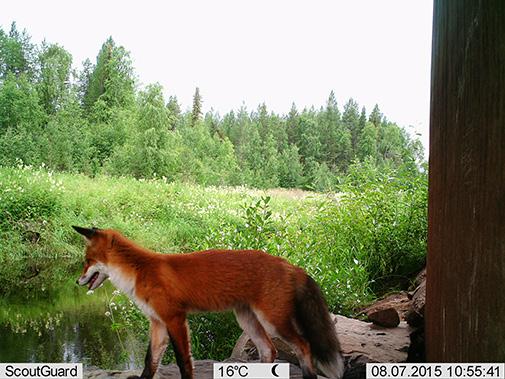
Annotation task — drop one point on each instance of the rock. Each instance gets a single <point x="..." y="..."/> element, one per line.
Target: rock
<point x="415" y="316"/>
<point x="420" y="278"/>
<point x="419" y="298"/>
<point x="399" y="301"/>
<point x="387" y="317"/>
<point x="372" y="342"/>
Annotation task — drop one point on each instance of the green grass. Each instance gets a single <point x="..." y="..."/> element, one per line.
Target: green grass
<point x="357" y="244"/>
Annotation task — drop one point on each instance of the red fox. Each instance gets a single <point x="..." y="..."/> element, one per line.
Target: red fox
<point x="270" y="297"/>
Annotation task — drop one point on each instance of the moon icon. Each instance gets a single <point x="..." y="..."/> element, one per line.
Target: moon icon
<point x="273" y="370"/>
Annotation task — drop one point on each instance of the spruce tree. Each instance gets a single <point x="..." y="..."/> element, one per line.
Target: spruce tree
<point x="196" y="113"/>
<point x="174" y="110"/>
<point x="83" y="81"/>
<point x="310" y="140"/>
<point x="376" y="116"/>
<point x="362" y="122"/>
<point x="263" y="121"/>
<point x="331" y="127"/>
<point x="367" y="144"/>
<point x="350" y="119"/>
<point x="292" y="127"/>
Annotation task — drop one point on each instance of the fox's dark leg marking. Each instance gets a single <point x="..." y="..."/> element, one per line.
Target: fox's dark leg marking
<point x="147" y="373"/>
<point x="180" y="361"/>
<point x="179" y="336"/>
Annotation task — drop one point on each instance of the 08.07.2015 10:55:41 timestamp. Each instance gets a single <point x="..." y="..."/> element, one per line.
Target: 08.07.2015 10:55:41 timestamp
<point x="435" y="370"/>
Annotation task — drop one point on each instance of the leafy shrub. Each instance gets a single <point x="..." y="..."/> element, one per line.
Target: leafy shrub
<point x="387" y="218"/>
<point x="303" y="242"/>
<point x="255" y="231"/>
<point x="26" y="196"/>
<point x="29" y="202"/>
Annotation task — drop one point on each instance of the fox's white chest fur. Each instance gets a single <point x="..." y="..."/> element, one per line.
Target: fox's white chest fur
<point x="126" y="285"/>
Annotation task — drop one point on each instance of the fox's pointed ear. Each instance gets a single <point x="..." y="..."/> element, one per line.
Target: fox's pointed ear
<point x="86" y="232"/>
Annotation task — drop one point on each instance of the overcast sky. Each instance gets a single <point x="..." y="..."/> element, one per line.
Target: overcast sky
<point x="253" y="51"/>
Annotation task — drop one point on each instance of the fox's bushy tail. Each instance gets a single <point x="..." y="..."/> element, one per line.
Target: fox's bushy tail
<point x="317" y="328"/>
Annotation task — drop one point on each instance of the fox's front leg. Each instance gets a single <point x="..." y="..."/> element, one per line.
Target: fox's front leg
<point x="157" y="346"/>
<point x="179" y="336"/>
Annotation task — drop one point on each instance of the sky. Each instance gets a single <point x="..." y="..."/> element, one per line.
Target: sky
<point x="246" y="52"/>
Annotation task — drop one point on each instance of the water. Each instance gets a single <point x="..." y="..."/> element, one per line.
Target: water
<point x="71" y="328"/>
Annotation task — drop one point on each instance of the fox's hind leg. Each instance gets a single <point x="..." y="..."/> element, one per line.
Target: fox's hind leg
<point x="253" y="328"/>
<point x="280" y="324"/>
<point x="301" y="348"/>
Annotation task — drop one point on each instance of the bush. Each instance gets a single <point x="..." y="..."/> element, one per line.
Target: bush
<point x="29" y="203"/>
<point x="387" y="217"/>
<point x="27" y="196"/>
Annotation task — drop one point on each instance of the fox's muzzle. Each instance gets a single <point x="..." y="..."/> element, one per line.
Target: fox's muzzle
<point x="92" y="278"/>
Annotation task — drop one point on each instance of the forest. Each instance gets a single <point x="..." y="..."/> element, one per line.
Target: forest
<point x="98" y="119"/>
